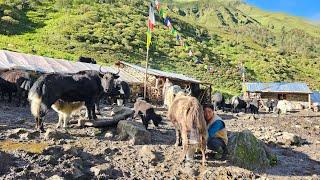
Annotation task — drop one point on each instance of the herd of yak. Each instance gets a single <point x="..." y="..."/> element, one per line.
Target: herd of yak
<point x="66" y="93"/>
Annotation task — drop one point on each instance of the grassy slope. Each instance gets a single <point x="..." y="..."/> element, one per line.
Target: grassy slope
<point x="109" y="32"/>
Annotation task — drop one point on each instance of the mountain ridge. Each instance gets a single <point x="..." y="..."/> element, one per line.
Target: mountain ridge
<point x="111" y="30"/>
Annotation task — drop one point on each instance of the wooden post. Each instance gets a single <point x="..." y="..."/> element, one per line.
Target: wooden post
<point x="146" y="75"/>
<point x="210" y="98"/>
<point x="309" y="100"/>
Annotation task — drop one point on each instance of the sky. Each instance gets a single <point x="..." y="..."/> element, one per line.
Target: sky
<point x="309" y="9"/>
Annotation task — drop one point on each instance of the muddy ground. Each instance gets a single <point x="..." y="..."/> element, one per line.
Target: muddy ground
<point x="91" y="153"/>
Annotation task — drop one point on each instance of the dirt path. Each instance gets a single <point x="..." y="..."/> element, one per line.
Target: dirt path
<point x="89" y="147"/>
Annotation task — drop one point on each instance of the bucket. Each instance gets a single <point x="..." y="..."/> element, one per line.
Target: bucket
<point x="119" y="102"/>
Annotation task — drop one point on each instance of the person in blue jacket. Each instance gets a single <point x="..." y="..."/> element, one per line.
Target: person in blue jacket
<point x="217" y="133"/>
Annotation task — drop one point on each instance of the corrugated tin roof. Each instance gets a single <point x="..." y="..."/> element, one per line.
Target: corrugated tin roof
<point x="295" y="87"/>
<point x="14" y="60"/>
<point x="162" y="73"/>
<point x="315" y="97"/>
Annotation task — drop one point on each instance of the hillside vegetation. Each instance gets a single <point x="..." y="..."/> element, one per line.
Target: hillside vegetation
<point x="273" y="47"/>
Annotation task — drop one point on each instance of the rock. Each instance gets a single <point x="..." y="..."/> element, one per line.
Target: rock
<point x="54" y="151"/>
<point x="5" y="162"/>
<point x="52" y="134"/>
<point x="148" y="154"/>
<point x="246" y="151"/>
<point x="121" y="110"/>
<point x="15" y="133"/>
<point x="69" y="149"/>
<point x="134" y="131"/>
<point x="108" y="135"/>
<point x="30" y="135"/>
<point x="288" y="139"/>
<point x="100" y="169"/>
<point x="56" y="177"/>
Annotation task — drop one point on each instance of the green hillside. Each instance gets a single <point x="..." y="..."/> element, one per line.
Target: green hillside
<point x="273" y="47"/>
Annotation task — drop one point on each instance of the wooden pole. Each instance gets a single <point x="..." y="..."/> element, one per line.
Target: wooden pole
<point x="146" y="75"/>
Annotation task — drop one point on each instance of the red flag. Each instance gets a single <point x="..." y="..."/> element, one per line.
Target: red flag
<point x="151" y="20"/>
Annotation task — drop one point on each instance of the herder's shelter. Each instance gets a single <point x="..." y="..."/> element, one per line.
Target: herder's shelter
<point x="157" y="78"/>
<point x="40" y="64"/>
<point x="296" y="93"/>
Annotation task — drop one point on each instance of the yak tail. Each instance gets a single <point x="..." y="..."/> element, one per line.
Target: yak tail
<point x="35" y="97"/>
<point x="195" y="122"/>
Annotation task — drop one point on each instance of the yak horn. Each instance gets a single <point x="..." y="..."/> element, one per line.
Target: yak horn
<point x="117" y="72"/>
<point x="100" y="69"/>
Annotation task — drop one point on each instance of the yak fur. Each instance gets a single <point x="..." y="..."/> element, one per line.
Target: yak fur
<point x="187" y="116"/>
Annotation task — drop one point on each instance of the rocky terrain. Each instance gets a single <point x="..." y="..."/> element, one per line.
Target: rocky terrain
<point x="99" y="153"/>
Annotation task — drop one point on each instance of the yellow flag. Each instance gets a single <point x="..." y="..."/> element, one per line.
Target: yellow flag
<point x="148" y="38"/>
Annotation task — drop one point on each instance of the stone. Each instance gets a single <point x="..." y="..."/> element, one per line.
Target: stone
<point x="108" y="135"/>
<point x="121" y="110"/>
<point x="30" y="135"/>
<point x="5" y="162"/>
<point x="148" y="154"/>
<point x="288" y="139"/>
<point x="100" y="169"/>
<point x="135" y="131"/>
<point x="56" y="177"/>
<point x="69" y="149"/>
<point x="246" y="151"/>
<point x="52" y="134"/>
<point x="15" y="133"/>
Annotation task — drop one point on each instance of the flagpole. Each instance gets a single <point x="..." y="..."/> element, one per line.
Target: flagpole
<point x="146" y="75"/>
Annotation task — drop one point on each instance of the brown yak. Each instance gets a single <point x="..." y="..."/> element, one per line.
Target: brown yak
<point x="187" y="116"/>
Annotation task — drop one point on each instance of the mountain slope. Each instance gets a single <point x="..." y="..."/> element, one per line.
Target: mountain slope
<point x="220" y="33"/>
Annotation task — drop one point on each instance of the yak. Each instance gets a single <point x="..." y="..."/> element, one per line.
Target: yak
<point x="16" y="81"/>
<point x="187" y="116"/>
<point x="64" y="110"/>
<point x="120" y="91"/>
<point x="171" y="92"/>
<point x="87" y="60"/>
<point x="86" y="86"/>
<point x="146" y="112"/>
<point x="253" y="106"/>
<point x="238" y="104"/>
<point x="218" y="101"/>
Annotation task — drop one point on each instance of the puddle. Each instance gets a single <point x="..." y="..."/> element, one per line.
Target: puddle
<point x="9" y="146"/>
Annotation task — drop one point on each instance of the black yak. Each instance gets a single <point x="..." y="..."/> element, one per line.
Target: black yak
<point x="86" y="86"/>
<point x="16" y="81"/>
<point x="146" y="112"/>
<point x="87" y="60"/>
<point x="187" y="116"/>
<point x="120" y="91"/>
<point x="238" y="104"/>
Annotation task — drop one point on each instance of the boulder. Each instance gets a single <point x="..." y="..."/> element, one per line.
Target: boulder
<point x="246" y="151"/>
<point x="30" y="135"/>
<point x="135" y="131"/>
<point x="52" y="134"/>
<point x="286" y="138"/>
<point x="100" y="169"/>
<point x="15" y="133"/>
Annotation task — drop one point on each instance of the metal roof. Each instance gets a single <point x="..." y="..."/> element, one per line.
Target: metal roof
<point x="14" y="60"/>
<point x="156" y="72"/>
<point x="283" y="87"/>
<point x="315" y="97"/>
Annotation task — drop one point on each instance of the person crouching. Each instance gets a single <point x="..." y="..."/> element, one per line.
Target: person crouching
<point x="217" y="133"/>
